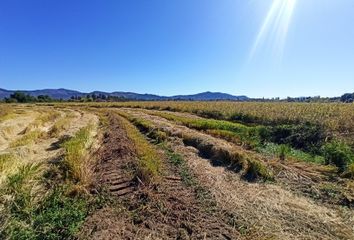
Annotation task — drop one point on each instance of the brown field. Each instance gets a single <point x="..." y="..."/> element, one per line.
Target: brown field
<point x="176" y="170"/>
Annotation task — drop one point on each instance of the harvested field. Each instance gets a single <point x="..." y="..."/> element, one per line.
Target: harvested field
<point x="167" y="209"/>
<point x="131" y="173"/>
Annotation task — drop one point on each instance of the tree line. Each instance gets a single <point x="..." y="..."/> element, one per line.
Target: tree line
<point x="20" y="97"/>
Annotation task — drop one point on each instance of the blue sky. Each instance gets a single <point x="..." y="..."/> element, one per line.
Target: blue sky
<point x="176" y="47"/>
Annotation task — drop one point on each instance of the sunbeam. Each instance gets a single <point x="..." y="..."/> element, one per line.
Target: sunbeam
<point x="273" y="32"/>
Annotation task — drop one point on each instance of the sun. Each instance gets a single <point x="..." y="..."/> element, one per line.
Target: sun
<point x="274" y="29"/>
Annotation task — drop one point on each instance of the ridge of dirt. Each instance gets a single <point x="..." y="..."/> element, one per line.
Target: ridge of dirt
<point x="266" y="208"/>
<point x="167" y="210"/>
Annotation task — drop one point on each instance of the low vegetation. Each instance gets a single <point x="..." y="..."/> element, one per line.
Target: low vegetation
<point x="28" y="138"/>
<point x="337" y="119"/>
<point x="61" y="125"/>
<point x="340" y="155"/>
<point x="149" y="164"/>
<point x="5" y="111"/>
<point x="46" y="200"/>
<point x="8" y="165"/>
<point x="252" y="168"/>
<point x="76" y="157"/>
<point x="32" y="211"/>
<point x="42" y="120"/>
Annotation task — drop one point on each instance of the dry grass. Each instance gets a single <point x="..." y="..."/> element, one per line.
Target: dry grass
<point x="5" y="112"/>
<point x="251" y="164"/>
<point x="336" y="118"/>
<point x="267" y="211"/>
<point x="77" y="160"/>
<point x="8" y="165"/>
<point x="43" y="119"/>
<point x="149" y="164"/>
<point x="61" y="125"/>
<point x="28" y="138"/>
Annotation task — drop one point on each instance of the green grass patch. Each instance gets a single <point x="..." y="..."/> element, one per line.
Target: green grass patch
<point x="276" y="151"/>
<point x="28" y="213"/>
<point x="338" y="154"/>
<point x="235" y="132"/>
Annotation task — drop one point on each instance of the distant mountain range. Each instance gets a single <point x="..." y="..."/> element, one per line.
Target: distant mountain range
<point x="66" y="94"/>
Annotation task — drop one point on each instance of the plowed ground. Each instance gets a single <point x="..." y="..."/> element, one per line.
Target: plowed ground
<point x="166" y="210"/>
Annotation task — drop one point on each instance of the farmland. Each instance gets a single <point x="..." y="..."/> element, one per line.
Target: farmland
<point x="186" y="170"/>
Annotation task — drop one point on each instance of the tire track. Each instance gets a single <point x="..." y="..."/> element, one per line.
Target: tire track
<point x="166" y="209"/>
<point x="116" y="154"/>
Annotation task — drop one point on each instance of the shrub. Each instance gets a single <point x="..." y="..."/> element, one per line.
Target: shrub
<point x="301" y="136"/>
<point x="244" y="118"/>
<point x="283" y="151"/>
<point x="338" y="154"/>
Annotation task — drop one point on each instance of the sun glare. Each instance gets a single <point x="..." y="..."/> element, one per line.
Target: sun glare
<point x="273" y="32"/>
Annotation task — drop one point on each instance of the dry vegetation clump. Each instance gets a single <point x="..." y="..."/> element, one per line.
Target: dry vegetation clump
<point x="251" y="168"/>
<point x="76" y="156"/>
<point x="28" y="138"/>
<point x="41" y="120"/>
<point x="61" y="125"/>
<point x="8" y="165"/>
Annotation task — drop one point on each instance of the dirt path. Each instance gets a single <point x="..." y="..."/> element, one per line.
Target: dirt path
<point x="267" y="209"/>
<point x="167" y="210"/>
